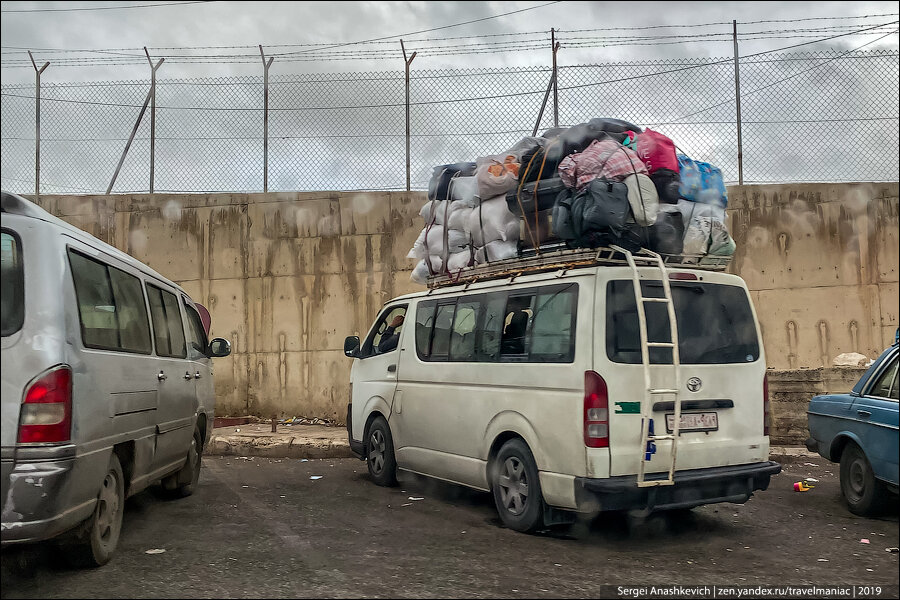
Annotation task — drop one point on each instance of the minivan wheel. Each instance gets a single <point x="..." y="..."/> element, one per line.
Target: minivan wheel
<point x="380" y="453"/>
<point x="516" y="487"/>
<point x="863" y="493"/>
<point x="184" y="483"/>
<point x="92" y="543"/>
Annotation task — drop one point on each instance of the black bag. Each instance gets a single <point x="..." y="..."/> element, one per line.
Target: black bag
<point x="547" y="191"/>
<point x="667" y="234"/>
<point x="595" y="216"/>
<point x="439" y="185"/>
<point x="667" y="184"/>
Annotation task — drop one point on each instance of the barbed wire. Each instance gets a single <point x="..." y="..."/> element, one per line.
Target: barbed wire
<point x="350" y="133"/>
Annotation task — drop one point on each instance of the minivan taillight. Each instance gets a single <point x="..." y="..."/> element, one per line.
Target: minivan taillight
<point x="596" y="411"/>
<point x="765" y="404"/>
<point x="46" y="413"/>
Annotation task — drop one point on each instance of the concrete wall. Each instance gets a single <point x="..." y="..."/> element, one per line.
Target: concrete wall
<point x="821" y="261"/>
<point x="287" y="276"/>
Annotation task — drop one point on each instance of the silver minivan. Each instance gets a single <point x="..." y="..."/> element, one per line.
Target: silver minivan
<point x="106" y="384"/>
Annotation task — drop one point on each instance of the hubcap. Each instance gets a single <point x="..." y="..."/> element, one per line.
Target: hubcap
<point x="513" y="485"/>
<point x="376" y="451"/>
<point x="108" y="506"/>
<point x="857" y="479"/>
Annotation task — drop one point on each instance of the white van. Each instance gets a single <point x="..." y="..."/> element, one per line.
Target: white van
<point x="534" y="386"/>
<point x="106" y="384"/>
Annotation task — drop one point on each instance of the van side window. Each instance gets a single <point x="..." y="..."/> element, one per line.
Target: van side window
<point x="519" y="310"/>
<point x="424" y="325"/>
<point x="532" y="325"/>
<point x="134" y="328"/>
<point x="197" y="342"/>
<point x="440" y="341"/>
<point x="383" y="338"/>
<point x="492" y="328"/>
<point x="111" y="306"/>
<point x="13" y="289"/>
<point x="168" y="330"/>
<point x="465" y="329"/>
<point x="552" y="326"/>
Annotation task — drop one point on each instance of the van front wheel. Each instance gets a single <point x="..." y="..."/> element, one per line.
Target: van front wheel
<point x="516" y="487"/>
<point x="184" y="483"/>
<point x="380" y="453"/>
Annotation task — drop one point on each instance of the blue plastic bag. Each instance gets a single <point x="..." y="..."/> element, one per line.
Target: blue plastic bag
<point x="701" y="182"/>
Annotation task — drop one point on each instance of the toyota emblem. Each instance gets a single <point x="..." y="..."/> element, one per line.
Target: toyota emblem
<point x="694" y="384"/>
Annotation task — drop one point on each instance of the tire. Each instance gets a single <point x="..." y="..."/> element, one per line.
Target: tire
<point x="93" y="543"/>
<point x="380" y="453"/>
<point x="517" y="488"/>
<point x="184" y="483"/>
<point x="865" y="495"/>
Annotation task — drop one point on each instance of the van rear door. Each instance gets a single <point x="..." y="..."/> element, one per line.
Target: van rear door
<point x="722" y="373"/>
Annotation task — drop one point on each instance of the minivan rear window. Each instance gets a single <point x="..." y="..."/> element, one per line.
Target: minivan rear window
<point x="12" y="277"/>
<point x="715" y="323"/>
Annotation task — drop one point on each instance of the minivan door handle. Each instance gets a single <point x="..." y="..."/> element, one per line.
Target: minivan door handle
<point x="161" y="376"/>
<point x="864" y="414"/>
<point x="392" y="368"/>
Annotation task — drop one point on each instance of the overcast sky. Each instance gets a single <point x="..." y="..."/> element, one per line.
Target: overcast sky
<point x="273" y="23"/>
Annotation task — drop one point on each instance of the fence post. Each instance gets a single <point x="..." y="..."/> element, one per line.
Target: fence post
<point x="266" y="66"/>
<point x="152" y="115"/>
<point x="554" y="46"/>
<point x="37" y="126"/>
<point x="737" y="98"/>
<point x="408" y="63"/>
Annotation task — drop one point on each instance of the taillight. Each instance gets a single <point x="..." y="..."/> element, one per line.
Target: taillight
<point x="765" y="404"/>
<point x="46" y="413"/>
<point x="596" y="411"/>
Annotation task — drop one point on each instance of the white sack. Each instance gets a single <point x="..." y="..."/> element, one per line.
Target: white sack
<point x="492" y="221"/>
<point x="464" y="191"/>
<point x="431" y="241"/>
<point x="490" y="184"/>
<point x="497" y="250"/>
<point x="421" y="273"/>
<point x="643" y="198"/>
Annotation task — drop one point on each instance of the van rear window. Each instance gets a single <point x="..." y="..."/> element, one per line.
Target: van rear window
<point x="12" y="277"/>
<point x="715" y="323"/>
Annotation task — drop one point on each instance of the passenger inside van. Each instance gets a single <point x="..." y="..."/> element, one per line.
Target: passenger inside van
<point x="513" y="341"/>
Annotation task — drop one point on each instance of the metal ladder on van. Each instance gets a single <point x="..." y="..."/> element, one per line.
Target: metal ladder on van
<point x="651" y="393"/>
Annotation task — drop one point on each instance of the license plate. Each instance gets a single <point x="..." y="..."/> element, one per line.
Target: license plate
<point x="706" y="421"/>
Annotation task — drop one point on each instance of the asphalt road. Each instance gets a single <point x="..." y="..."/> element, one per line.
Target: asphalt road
<point x="264" y="528"/>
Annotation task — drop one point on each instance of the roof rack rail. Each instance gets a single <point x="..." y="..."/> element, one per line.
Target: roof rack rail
<point x="558" y="257"/>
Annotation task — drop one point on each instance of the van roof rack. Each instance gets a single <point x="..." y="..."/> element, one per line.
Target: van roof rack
<point x="559" y="257"/>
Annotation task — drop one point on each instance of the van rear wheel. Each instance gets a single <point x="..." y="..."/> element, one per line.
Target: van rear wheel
<point x="516" y="487"/>
<point x="92" y="544"/>
<point x="380" y="453"/>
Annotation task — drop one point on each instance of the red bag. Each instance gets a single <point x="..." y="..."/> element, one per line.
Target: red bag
<point x="657" y="151"/>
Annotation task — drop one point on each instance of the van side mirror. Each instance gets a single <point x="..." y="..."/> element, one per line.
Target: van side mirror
<point x="219" y="347"/>
<point x="351" y="346"/>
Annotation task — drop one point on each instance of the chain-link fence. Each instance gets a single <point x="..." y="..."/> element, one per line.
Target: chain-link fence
<point x="825" y="116"/>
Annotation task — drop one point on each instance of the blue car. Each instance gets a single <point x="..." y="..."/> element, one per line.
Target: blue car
<point x="860" y="431"/>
